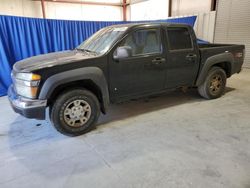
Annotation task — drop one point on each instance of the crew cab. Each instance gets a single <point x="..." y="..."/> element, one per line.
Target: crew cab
<point x="119" y="63"/>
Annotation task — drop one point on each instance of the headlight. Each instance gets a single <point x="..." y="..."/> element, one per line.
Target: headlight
<point x="26" y="84"/>
<point x="28" y="76"/>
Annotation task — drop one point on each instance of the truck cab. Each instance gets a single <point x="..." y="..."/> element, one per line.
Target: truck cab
<point x="149" y="58"/>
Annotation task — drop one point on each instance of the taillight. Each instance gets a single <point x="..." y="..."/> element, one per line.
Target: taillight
<point x="238" y="54"/>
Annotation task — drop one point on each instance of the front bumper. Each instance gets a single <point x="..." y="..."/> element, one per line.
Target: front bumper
<point x="29" y="108"/>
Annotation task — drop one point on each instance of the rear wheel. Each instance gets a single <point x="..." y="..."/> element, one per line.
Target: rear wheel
<point x="75" y="112"/>
<point x="214" y="84"/>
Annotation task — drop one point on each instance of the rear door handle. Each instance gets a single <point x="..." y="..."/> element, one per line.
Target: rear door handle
<point x="191" y="57"/>
<point x="158" y="60"/>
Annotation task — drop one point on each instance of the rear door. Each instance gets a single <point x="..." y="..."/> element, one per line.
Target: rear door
<point x="183" y="57"/>
<point x="144" y="71"/>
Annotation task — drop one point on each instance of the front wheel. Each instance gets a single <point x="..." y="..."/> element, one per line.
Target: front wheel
<point x="214" y="85"/>
<point x="75" y="112"/>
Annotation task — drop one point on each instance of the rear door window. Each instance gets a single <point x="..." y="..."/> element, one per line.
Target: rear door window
<point x="179" y="38"/>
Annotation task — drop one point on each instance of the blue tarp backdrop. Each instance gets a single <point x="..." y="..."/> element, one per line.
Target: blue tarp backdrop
<point x="24" y="37"/>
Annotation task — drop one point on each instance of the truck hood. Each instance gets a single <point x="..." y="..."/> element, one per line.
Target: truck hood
<point x="50" y="60"/>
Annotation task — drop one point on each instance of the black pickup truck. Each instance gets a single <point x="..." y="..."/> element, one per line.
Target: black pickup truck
<point x="119" y="63"/>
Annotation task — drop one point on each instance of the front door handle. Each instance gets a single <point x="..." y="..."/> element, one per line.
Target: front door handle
<point x="158" y="60"/>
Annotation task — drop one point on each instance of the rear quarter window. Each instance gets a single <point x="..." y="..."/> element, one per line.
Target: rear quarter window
<point x="179" y="38"/>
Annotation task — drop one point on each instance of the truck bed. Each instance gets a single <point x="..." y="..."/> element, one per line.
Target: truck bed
<point x="212" y="45"/>
<point x="209" y="50"/>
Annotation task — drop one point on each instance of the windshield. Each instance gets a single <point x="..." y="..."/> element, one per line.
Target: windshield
<point x="102" y="40"/>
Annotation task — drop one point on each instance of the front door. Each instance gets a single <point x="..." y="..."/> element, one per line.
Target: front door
<point x="142" y="72"/>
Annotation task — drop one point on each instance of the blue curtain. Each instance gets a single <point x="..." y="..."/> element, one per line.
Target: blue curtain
<point x="24" y="37"/>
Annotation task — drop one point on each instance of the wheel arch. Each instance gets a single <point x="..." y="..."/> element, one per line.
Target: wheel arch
<point x="90" y="78"/>
<point x="223" y="60"/>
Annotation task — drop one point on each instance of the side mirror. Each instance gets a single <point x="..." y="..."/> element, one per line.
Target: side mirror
<point x="122" y="52"/>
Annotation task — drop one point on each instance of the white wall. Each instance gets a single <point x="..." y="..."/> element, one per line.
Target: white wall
<point x="20" y="8"/>
<point x="148" y="10"/>
<point x="233" y="24"/>
<point x="187" y="7"/>
<point x="83" y="12"/>
<point x="205" y="22"/>
<point x="142" y="10"/>
<point x="205" y="25"/>
<point x="66" y="11"/>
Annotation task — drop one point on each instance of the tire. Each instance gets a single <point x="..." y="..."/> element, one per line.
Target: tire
<point x="75" y="112"/>
<point x="214" y="85"/>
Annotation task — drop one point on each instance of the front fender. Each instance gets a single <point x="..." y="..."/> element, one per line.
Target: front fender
<point x="213" y="60"/>
<point x="91" y="73"/>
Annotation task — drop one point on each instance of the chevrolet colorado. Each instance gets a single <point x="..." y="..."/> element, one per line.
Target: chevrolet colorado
<point x="119" y="63"/>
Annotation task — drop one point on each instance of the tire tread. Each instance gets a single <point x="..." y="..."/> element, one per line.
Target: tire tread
<point x="62" y="99"/>
<point x="202" y="89"/>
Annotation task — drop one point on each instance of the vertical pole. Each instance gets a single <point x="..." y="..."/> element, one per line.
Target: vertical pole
<point x="213" y="5"/>
<point x="43" y="8"/>
<point x="124" y="10"/>
<point x="169" y="8"/>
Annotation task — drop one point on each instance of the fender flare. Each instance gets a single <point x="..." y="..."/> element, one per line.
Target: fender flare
<point x="219" y="58"/>
<point x="94" y="74"/>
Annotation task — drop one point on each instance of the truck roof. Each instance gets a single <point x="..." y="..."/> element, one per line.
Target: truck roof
<point x="146" y="24"/>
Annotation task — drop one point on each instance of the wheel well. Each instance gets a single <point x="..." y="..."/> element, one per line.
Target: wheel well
<point x="226" y="66"/>
<point x="86" y="84"/>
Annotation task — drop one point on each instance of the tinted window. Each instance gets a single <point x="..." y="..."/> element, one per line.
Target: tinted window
<point x="179" y="38"/>
<point x="143" y="42"/>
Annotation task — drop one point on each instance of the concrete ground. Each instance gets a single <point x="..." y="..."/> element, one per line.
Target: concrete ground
<point x="175" y="140"/>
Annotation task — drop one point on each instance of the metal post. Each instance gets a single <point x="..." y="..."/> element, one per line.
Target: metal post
<point x="169" y="8"/>
<point x="124" y="10"/>
<point x="43" y="8"/>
